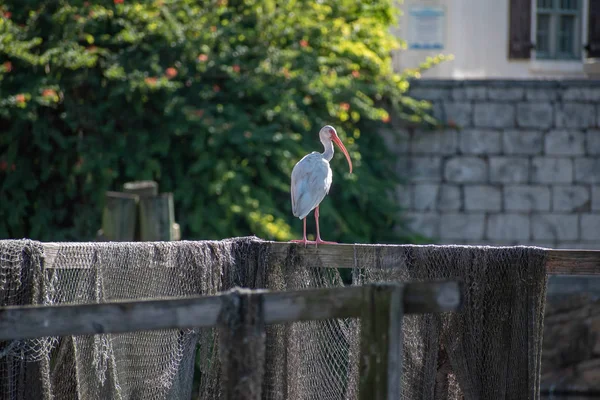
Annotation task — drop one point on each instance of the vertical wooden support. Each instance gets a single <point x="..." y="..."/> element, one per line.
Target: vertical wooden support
<point x="119" y="217"/>
<point x="381" y="342"/>
<point x="242" y="345"/>
<point x="157" y="216"/>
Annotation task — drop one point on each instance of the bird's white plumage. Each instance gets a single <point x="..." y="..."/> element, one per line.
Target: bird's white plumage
<point x="311" y="180"/>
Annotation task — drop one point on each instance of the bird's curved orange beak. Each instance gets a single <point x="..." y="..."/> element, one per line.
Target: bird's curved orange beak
<point x="339" y="143"/>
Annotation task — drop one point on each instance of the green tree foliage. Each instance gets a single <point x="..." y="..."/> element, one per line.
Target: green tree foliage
<point x="216" y="100"/>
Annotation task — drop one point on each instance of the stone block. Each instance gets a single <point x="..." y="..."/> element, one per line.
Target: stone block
<point x="429" y="93"/>
<point x="506" y="94"/>
<point x="523" y="142"/>
<point x="397" y="141"/>
<point x="424" y="223"/>
<point x="508" y="227"/>
<point x="469" y="93"/>
<point x="590" y="227"/>
<point x="581" y="94"/>
<point x="434" y="142"/>
<point x="575" y="115"/>
<point x="425" y="196"/>
<point x="404" y="196"/>
<point x="587" y="170"/>
<point x="595" y="198"/>
<point x="555" y="226"/>
<point x="450" y="198"/>
<point x="425" y="169"/>
<point x="535" y="115"/>
<point x="480" y="141"/>
<point x="551" y="170"/>
<point x="509" y="169"/>
<point x="465" y="169"/>
<point x="593" y="142"/>
<point x="537" y="94"/>
<point x="459" y="113"/>
<point x="570" y="198"/>
<point x="526" y="198"/>
<point x="564" y="143"/>
<point x="482" y="198"/>
<point x="462" y="226"/>
<point x="494" y="115"/>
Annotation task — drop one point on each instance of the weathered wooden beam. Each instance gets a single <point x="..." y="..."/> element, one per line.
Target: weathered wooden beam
<point x="157" y="216"/>
<point x="381" y="342"/>
<point x="24" y="322"/>
<point x="141" y="188"/>
<point x="119" y="217"/>
<point x="559" y="262"/>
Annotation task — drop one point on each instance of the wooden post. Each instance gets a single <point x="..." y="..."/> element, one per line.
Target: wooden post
<point x="119" y="217"/>
<point x="157" y="216"/>
<point x="381" y="342"/>
<point x="242" y="345"/>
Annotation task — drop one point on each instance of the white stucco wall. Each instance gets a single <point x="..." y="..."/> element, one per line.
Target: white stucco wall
<point x="477" y="35"/>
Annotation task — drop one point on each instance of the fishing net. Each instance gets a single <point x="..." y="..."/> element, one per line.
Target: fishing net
<point x="489" y="350"/>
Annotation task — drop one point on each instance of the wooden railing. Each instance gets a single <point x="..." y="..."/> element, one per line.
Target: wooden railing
<point x="380" y="308"/>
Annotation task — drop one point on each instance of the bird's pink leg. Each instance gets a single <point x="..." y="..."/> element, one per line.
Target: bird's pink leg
<point x="303" y="240"/>
<point x="319" y="240"/>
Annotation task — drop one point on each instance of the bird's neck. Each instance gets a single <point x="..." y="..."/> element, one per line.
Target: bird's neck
<point x="328" y="153"/>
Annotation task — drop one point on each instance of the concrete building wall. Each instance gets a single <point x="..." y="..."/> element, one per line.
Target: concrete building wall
<point x="476" y="34"/>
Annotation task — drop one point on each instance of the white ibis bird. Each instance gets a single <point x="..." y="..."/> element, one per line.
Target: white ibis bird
<point x="311" y="180"/>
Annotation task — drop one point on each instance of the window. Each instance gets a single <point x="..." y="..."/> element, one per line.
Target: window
<point x="558" y="29"/>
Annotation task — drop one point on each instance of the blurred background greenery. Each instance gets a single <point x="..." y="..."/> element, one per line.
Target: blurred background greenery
<point x="215" y="100"/>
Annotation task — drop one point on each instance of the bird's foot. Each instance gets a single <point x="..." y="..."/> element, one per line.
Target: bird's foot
<point x="303" y="241"/>
<point x="321" y="241"/>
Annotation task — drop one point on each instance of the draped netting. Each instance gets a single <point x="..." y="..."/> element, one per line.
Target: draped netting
<point x="491" y="349"/>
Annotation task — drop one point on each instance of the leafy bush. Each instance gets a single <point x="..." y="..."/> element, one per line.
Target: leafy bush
<point x="216" y="100"/>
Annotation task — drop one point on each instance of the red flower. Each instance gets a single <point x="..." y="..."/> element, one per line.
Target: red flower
<point x="355" y="73"/>
<point x="304" y="43"/>
<point x="7" y="14"/>
<point x="171" y="72"/>
<point x="48" y="93"/>
<point x="213" y="28"/>
<point x="345" y="106"/>
<point x="118" y="1"/>
<point x="236" y="68"/>
<point x="202" y="58"/>
<point x="151" y="80"/>
<point x="20" y="98"/>
<point x="216" y="88"/>
<point x="7" y="66"/>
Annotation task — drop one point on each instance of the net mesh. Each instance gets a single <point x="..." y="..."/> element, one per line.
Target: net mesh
<point x="489" y="350"/>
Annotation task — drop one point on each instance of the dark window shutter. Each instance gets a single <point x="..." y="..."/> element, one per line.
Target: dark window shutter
<point x="519" y="44"/>
<point x="593" y="44"/>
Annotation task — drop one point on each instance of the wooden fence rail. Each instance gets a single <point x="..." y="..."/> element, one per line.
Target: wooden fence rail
<point x="380" y="308"/>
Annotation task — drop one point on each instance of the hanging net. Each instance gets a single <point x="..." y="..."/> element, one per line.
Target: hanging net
<point x="491" y="349"/>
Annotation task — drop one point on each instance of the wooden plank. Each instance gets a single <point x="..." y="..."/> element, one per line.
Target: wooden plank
<point x="573" y="262"/>
<point x="381" y="343"/>
<point x="24" y="322"/>
<point x="119" y="217"/>
<point x="141" y="188"/>
<point x="157" y="216"/>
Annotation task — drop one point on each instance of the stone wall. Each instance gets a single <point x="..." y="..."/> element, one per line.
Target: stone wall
<point x="522" y="167"/>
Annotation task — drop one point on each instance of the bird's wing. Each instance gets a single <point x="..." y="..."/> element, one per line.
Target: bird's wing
<point x="311" y="180"/>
